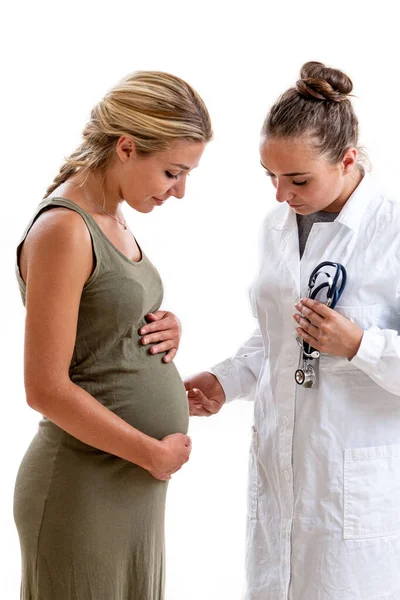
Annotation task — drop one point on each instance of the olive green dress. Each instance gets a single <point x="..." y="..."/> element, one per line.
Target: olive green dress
<point x="91" y="525"/>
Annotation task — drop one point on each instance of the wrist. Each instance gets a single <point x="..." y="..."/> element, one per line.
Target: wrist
<point x="147" y="451"/>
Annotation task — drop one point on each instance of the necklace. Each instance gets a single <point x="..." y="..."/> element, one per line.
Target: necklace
<point x="88" y="197"/>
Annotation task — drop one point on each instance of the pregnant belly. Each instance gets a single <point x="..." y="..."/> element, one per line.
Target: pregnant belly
<point x="151" y="399"/>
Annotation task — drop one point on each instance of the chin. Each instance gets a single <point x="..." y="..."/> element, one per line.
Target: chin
<point x="302" y="210"/>
<point x="143" y="208"/>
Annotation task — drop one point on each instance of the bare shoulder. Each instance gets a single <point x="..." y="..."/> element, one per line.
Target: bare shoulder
<point x="58" y="235"/>
<point x="59" y="224"/>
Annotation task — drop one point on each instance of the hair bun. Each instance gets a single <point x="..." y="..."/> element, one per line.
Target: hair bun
<point x="318" y="82"/>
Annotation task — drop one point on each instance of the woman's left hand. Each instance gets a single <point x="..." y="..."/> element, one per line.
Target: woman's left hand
<point x="163" y="327"/>
<point x="326" y="330"/>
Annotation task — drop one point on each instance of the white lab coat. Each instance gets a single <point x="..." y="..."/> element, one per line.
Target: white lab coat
<point x="324" y="478"/>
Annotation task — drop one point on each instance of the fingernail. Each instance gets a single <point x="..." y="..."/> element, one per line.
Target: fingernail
<point x="145" y="340"/>
<point x="143" y="331"/>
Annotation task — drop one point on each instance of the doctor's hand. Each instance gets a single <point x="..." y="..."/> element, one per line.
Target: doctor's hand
<point x="205" y="394"/>
<point x="326" y="330"/>
<point x="163" y="327"/>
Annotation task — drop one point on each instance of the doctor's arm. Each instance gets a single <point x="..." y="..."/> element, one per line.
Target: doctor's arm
<point x="375" y="351"/>
<point x="233" y="378"/>
<point x="379" y="357"/>
<point x="238" y="375"/>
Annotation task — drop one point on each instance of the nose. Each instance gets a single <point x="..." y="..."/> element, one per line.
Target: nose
<point x="179" y="187"/>
<point x="283" y="193"/>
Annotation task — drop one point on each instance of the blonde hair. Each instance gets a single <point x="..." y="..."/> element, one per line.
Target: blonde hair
<point x="152" y="107"/>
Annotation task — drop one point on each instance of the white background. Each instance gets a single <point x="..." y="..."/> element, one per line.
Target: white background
<point x="58" y="59"/>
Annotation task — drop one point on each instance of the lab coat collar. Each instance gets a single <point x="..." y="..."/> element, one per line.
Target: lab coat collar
<point x="350" y="215"/>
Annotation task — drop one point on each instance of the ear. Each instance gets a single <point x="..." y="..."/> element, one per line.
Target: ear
<point x="349" y="160"/>
<point x="125" y="148"/>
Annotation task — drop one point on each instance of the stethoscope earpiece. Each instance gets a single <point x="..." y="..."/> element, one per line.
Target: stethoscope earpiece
<point x="313" y="354"/>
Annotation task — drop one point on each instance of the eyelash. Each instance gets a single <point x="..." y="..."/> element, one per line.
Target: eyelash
<point x="294" y="182"/>
<point x="168" y="174"/>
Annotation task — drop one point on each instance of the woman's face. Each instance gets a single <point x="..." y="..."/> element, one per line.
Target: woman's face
<point x="306" y="182"/>
<point x="148" y="181"/>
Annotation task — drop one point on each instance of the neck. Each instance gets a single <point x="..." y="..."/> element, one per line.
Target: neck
<point x="103" y="191"/>
<point x="352" y="182"/>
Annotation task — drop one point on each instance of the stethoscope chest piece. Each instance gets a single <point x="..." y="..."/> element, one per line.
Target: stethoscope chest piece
<point x="306" y="376"/>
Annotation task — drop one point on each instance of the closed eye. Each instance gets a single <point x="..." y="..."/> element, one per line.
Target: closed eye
<point x="170" y="175"/>
<point x="272" y="176"/>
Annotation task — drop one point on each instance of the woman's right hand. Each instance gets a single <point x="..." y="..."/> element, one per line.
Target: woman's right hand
<point x="205" y="394"/>
<point x="173" y="452"/>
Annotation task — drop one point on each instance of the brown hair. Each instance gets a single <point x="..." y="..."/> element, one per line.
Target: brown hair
<point x="317" y="107"/>
<point x="152" y="107"/>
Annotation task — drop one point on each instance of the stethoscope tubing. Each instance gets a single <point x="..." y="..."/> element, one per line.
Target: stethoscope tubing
<point x="333" y="294"/>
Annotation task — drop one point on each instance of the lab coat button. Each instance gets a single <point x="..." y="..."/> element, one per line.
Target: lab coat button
<point x="224" y="368"/>
<point x="284" y="423"/>
<point x="223" y="371"/>
<point x="290" y="360"/>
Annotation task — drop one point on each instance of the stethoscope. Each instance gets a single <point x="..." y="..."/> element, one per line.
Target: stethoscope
<point x="331" y="288"/>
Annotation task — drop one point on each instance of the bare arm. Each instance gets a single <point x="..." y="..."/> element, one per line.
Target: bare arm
<point x="56" y="261"/>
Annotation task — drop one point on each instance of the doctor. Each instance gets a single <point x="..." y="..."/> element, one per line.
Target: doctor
<point x="324" y="481"/>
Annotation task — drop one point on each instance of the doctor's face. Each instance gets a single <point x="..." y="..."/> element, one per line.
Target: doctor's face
<point x="305" y="181"/>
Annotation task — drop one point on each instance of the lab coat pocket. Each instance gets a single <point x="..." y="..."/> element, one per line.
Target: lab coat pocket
<point x="371" y="492"/>
<point x="252" y="506"/>
<point x="363" y="316"/>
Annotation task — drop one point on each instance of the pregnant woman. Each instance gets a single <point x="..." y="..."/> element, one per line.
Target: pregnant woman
<point x="90" y="492"/>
